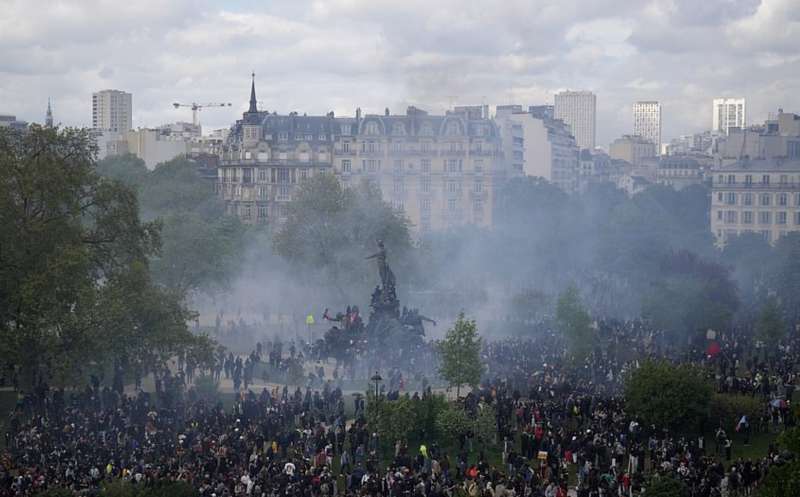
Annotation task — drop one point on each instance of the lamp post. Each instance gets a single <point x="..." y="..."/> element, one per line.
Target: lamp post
<point x="377" y="379"/>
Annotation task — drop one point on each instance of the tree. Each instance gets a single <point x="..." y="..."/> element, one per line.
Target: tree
<point x="669" y="396"/>
<point x="691" y="296"/>
<point x="73" y="257"/>
<point x="485" y="424"/>
<point x="574" y="322"/>
<point x="453" y="422"/>
<point x="330" y="228"/>
<point x="660" y="485"/>
<point x="770" y="327"/>
<point x="460" y="359"/>
<point x="784" y="478"/>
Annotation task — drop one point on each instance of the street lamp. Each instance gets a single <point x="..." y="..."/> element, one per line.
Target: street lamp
<point x="377" y="379"/>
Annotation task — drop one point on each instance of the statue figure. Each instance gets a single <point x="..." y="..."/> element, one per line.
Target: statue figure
<point x="385" y="272"/>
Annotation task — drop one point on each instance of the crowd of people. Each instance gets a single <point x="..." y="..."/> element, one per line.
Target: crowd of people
<point x="561" y="426"/>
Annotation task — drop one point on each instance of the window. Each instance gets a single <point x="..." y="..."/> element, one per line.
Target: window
<point x="719" y="197"/>
<point x="425" y="185"/>
<point x="398" y="205"/>
<point x="452" y="165"/>
<point x="262" y="174"/>
<point x="425" y="207"/>
<point x="425" y="165"/>
<point x="478" y="165"/>
<point x="780" y="217"/>
<point x="797" y="218"/>
<point x="452" y="205"/>
<point x="373" y="165"/>
<point x="399" y="185"/>
<point x="731" y="179"/>
<point x="477" y="186"/>
<point x="397" y="147"/>
<point x="748" y="179"/>
<point x="372" y="128"/>
<point x="765" y="179"/>
<point x="303" y="173"/>
<point x="262" y="211"/>
<point x="784" y="179"/>
<point x="765" y="217"/>
<point x="731" y="198"/>
<point x="747" y="217"/>
<point x="346" y="166"/>
<point x="247" y="211"/>
<point x="453" y="186"/>
<point x="346" y="147"/>
<point x="452" y="129"/>
<point x="783" y="199"/>
<point x="765" y="199"/>
<point x="284" y="175"/>
<point x="398" y="165"/>
<point x="730" y="217"/>
<point x="283" y="136"/>
<point x="345" y="129"/>
<point x="322" y="138"/>
<point x="425" y="146"/>
<point x="747" y="199"/>
<point x="719" y="215"/>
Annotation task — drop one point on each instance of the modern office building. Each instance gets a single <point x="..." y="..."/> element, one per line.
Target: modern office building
<point x="578" y="110"/>
<point x="728" y="113"/>
<point x="112" y="111"/>
<point x="647" y="121"/>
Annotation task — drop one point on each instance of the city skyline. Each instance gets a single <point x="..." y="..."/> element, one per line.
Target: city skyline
<point x="322" y="56"/>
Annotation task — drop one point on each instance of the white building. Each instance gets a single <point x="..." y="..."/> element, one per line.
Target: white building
<point x="112" y="110"/>
<point x="549" y="150"/>
<point x="728" y="113"/>
<point x="578" y="109"/>
<point x="647" y="121"/>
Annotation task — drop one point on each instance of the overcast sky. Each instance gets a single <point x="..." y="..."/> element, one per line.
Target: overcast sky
<point x="337" y="55"/>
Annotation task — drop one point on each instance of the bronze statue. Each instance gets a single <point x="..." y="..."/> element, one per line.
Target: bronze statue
<point x="385" y="272"/>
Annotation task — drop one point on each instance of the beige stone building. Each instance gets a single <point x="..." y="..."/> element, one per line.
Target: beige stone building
<point x="440" y="171"/>
<point x="633" y="149"/>
<point x="761" y="196"/>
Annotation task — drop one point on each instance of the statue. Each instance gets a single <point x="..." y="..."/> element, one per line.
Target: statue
<point x="385" y="272"/>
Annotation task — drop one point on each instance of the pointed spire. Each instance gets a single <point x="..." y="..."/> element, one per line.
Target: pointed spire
<point x="48" y="120"/>
<point x="253" y="102"/>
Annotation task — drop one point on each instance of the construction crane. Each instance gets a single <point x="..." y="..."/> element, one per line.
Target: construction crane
<point x="197" y="107"/>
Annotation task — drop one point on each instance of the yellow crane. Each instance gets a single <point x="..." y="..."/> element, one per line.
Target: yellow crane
<point x="198" y="107"/>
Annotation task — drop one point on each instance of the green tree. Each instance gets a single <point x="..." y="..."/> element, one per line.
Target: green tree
<point x="460" y="354"/>
<point x="485" y="424"/>
<point x="126" y="168"/>
<point x="669" y="396"/>
<point x="784" y="479"/>
<point x="453" y="423"/>
<point x="74" y="282"/>
<point x="770" y="327"/>
<point x="330" y="228"/>
<point x="574" y="322"/>
<point x="660" y="485"/>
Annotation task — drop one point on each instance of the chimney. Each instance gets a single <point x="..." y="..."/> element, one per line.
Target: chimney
<point x="386" y="111"/>
<point x="358" y="113"/>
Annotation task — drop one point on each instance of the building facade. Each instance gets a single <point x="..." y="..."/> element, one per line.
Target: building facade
<point x="578" y="110"/>
<point x="633" y="149"/>
<point x="761" y="196"/>
<point x="647" y="121"/>
<point x="728" y="113"/>
<point x="439" y="171"/>
<point x="549" y="150"/>
<point x="112" y="111"/>
<point x="679" y="172"/>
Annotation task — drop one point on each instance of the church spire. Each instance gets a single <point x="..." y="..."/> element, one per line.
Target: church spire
<point x="253" y="102"/>
<point x="48" y="120"/>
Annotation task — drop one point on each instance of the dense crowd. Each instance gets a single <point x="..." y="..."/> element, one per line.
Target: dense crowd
<point x="554" y="417"/>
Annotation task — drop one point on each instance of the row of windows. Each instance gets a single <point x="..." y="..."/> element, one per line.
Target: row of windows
<point x="374" y="165"/>
<point x="764" y="217"/>
<point x="764" y="199"/>
<point x="731" y="179"/>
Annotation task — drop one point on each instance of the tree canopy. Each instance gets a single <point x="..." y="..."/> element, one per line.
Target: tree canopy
<point x="460" y="354"/>
<point x="73" y="258"/>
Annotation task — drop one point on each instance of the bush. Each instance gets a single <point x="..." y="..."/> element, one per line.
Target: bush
<point x="453" y="423"/>
<point x="426" y="413"/>
<point x="726" y="410"/>
<point x="669" y="396"/>
<point x="56" y="492"/>
<point x="665" y="486"/>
